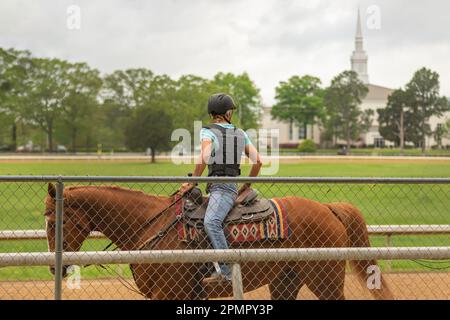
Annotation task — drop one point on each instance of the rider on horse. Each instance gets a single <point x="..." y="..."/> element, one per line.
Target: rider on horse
<point x="222" y="145"/>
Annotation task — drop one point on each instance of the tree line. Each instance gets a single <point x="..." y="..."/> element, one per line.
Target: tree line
<point x="409" y="109"/>
<point x="53" y="102"/>
<point x="337" y="108"/>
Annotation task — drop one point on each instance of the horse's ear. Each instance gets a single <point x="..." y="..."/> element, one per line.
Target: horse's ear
<point x="51" y="190"/>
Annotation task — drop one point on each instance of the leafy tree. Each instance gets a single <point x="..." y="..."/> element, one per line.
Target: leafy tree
<point x="246" y="96"/>
<point x="342" y="100"/>
<point x="426" y="102"/>
<point x="14" y="67"/>
<point x="397" y="122"/>
<point x="4" y="132"/>
<point x="124" y="91"/>
<point x="442" y="131"/>
<point x="149" y="127"/>
<point x="366" y="120"/>
<point x="190" y="101"/>
<point x="447" y="127"/>
<point x="330" y="123"/>
<point x="128" y="88"/>
<point x="81" y="101"/>
<point x="47" y="88"/>
<point x="299" y="100"/>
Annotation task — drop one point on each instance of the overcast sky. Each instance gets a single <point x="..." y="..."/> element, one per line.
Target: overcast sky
<point x="271" y="40"/>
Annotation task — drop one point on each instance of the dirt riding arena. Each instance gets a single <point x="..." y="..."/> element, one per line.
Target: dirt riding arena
<point x="405" y="286"/>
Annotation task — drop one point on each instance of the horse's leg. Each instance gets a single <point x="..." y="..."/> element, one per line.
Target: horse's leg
<point x="176" y="281"/>
<point x="165" y="281"/>
<point x="286" y="284"/>
<point x="198" y="290"/>
<point x="327" y="280"/>
<point x="142" y="279"/>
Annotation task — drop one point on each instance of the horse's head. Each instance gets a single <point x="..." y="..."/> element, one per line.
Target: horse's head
<point x="76" y="225"/>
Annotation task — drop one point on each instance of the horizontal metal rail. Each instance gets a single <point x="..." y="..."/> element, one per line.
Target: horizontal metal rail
<point x="272" y="156"/>
<point x="35" y="235"/>
<point x="179" y="179"/>
<point x="381" y="230"/>
<point x="409" y="229"/>
<point x="230" y="255"/>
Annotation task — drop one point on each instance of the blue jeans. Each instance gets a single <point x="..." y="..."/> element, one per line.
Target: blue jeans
<point x="221" y="200"/>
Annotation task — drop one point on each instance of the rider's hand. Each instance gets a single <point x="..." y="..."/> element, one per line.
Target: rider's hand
<point x="244" y="187"/>
<point x="186" y="187"/>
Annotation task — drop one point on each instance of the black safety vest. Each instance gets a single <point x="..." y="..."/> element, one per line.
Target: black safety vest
<point x="226" y="158"/>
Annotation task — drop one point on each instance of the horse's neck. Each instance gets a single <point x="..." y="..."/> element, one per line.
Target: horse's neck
<point x="121" y="214"/>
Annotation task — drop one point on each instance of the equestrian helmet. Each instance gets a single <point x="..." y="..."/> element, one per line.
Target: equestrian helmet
<point x="220" y="103"/>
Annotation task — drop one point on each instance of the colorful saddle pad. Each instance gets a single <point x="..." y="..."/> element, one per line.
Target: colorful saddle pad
<point x="274" y="227"/>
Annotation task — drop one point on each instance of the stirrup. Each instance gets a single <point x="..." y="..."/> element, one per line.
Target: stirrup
<point x="216" y="278"/>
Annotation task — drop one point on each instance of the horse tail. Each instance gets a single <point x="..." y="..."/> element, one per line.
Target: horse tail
<point x="356" y="228"/>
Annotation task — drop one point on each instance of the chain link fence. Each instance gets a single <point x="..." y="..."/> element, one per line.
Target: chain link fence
<point x="405" y="221"/>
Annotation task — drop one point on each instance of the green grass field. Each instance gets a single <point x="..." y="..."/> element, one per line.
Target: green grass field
<point x="21" y="205"/>
<point x="376" y="152"/>
<point x="307" y="168"/>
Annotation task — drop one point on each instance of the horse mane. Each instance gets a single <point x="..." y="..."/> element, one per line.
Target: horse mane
<point x="113" y="188"/>
<point x="72" y="193"/>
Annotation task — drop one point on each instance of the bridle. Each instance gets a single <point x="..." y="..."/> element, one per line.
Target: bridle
<point x="153" y="240"/>
<point x="76" y="223"/>
<point x="150" y="242"/>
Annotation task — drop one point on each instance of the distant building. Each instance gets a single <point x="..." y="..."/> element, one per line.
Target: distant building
<point x="376" y="98"/>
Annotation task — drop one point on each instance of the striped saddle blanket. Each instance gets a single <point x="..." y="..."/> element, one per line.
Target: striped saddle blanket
<point x="274" y="227"/>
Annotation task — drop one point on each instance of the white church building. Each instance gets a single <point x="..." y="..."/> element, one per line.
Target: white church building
<point x="377" y="97"/>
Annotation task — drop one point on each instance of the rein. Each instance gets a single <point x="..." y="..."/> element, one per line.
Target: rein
<point x="152" y="241"/>
<point x="165" y="229"/>
<point x="156" y="238"/>
<point x="153" y="219"/>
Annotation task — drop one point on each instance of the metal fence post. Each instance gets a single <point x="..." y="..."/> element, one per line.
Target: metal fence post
<point x="389" y="244"/>
<point x="59" y="240"/>
<point x="238" y="290"/>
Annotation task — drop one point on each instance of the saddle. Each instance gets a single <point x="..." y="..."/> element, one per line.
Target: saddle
<point x="247" y="208"/>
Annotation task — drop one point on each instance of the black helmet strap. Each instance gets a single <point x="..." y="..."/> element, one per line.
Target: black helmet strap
<point x="226" y="118"/>
<point x="223" y="117"/>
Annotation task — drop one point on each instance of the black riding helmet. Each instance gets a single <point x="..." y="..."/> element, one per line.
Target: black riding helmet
<point x="220" y="103"/>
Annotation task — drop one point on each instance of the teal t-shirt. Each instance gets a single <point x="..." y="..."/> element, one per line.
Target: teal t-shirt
<point x="207" y="134"/>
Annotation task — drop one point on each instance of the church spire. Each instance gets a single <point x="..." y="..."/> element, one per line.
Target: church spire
<point x="359" y="56"/>
<point x="358" y="26"/>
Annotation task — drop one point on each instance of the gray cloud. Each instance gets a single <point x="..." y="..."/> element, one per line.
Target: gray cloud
<point x="271" y="39"/>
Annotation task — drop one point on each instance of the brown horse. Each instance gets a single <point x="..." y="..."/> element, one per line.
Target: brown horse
<point x="122" y="215"/>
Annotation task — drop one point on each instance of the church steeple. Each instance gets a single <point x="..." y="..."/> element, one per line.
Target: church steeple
<point x="359" y="56"/>
<point x="358" y="27"/>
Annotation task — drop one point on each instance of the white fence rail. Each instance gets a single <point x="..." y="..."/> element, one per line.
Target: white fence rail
<point x="230" y="255"/>
<point x="380" y="230"/>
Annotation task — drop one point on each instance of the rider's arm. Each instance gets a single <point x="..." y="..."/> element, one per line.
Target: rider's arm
<point x="200" y="164"/>
<point x="205" y="153"/>
<point x="255" y="158"/>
